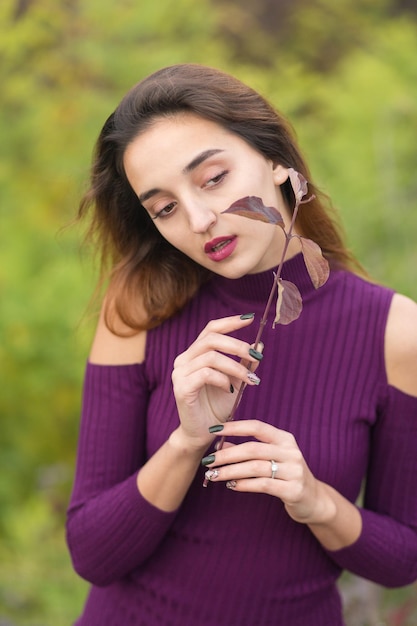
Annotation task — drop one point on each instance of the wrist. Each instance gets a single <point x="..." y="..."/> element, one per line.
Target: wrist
<point x="186" y="446"/>
<point x="325" y="511"/>
<point x="338" y="522"/>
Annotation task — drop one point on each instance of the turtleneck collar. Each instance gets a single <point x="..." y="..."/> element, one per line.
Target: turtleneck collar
<point x="255" y="288"/>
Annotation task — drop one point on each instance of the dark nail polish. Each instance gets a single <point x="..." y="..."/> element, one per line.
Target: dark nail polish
<point x="217" y="428"/>
<point x="247" y="316"/>
<point x="208" y="459"/>
<point x="255" y="354"/>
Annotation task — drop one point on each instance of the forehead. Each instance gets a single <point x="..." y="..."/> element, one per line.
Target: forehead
<point x="190" y="126"/>
<point x="178" y="137"/>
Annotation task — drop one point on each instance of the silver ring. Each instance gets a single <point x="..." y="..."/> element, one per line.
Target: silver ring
<point x="274" y="468"/>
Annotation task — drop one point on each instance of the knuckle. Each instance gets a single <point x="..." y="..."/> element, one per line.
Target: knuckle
<point x="258" y="468"/>
<point x="206" y="339"/>
<point x="256" y="425"/>
<point x="178" y="361"/>
<point x="175" y="377"/>
<point x="291" y="441"/>
<point x="205" y="374"/>
<point x="297" y="492"/>
<point x="298" y="456"/>
<point x="251" y="448"/>
<point x="211" y="337"/>
<point x="265" y="484"/>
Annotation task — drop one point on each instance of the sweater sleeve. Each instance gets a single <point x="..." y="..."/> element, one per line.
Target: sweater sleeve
<point x="111" y="528"/>
<point x="386" y="551"/>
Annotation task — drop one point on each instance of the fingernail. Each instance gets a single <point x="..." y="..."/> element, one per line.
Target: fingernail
<point x="208" y="460"/>
<point x="255" y="354"/>
<point x="247" y="316"/>
<point x="253" y="378"/>
<point x="231" y="484"/>
<point x="232" y="389"/>
<point x="216" y="428"/>
<point x="211" y="474"/>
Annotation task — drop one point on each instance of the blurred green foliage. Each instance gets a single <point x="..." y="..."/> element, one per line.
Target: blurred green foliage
<point x="346" y="75"/>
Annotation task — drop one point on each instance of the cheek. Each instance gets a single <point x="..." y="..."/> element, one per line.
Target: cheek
<point x="176" y="236"/>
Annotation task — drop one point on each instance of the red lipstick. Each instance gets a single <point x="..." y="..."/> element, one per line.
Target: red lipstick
<point x="220" y="248"/>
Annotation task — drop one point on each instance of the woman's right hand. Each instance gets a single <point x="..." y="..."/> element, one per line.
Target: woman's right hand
<point x="205" y="375"/>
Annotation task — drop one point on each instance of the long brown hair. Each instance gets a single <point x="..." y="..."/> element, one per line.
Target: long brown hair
<point x="141" y="264"/>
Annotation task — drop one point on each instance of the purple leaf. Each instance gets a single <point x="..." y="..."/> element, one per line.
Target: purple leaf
<point x="317" y="266"/>
<point x="289" y="303"/>
<point x="298" y="183"/>
<point x="254" y="208"/>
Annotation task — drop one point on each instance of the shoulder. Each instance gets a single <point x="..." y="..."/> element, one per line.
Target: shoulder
<point x="121" y="347"/>
<point x="401" y="344"/>
<point x="359" y="292"/>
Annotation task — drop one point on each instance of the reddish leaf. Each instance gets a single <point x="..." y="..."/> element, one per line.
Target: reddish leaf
<point x="254" y="208"/>
<point x="317" y="266"/>
<point x="298" y="183"/>
<point x="289" y="303"/>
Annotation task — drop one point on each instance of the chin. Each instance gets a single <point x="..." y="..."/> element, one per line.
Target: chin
<point x="231" y="272"/>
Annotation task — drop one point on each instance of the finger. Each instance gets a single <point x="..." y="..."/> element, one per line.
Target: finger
<point x="187" y="387"/>
<point x="256" y="468"/>
<point x="218" y="344"/>
<point x="216" y="360"/>
<point x="277" y="488"/>
<point x="249" y="469"/>
<point x="200" y="367"/>
<point x="256" y="355"/>
<point x="287" y="491"/>
<point x="248" y="451"/>
<point x="223" y="444"/>
<point x="261" y="431"/>
<point x="227" y="324"/>
<point x="214" y="336"/>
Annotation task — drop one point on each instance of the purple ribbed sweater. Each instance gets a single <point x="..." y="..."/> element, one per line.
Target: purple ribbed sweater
<point x="233" y="559"/>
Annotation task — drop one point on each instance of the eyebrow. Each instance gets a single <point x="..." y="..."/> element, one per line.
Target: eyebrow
<point x="200" y="158"/>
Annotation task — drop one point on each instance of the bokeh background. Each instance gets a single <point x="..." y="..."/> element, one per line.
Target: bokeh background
<point x="343" y="71"/>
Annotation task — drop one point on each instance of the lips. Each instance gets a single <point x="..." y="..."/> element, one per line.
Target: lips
<point x="220" y="248"/>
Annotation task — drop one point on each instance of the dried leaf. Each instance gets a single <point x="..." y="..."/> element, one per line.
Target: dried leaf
<point x="254" y="208"/>
<point x="317" y="266"/>
<point x="298" y="183"/>
<point x="289" y="303"/>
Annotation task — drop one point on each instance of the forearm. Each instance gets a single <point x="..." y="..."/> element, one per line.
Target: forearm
<point x="386" y="550"/>
<point x="166" y="477"/>
<point x="338" y="522"/>
<point x="113" y="533"/>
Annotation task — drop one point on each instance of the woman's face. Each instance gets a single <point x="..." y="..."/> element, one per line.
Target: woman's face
<point x="186" y="171"/>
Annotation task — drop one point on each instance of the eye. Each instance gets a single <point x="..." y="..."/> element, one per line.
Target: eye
<point x="212" y="182"/>
<point x="167" y="210"/>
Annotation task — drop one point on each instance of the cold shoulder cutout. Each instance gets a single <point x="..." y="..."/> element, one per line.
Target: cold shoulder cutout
<point x="111" y="349"/>
<point x="401" y="345"/>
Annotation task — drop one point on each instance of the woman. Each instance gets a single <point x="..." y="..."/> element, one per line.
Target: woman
<point x="336" y="404"/>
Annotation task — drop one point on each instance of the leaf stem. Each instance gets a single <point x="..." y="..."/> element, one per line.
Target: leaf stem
<point x="288" y="237"/>
<point x="264" y="319"/>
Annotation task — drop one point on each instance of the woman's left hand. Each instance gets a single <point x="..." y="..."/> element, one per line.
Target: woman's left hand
<point x="248" y="467"/>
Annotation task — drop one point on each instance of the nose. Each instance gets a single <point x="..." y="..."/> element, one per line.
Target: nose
<point x="201" y="217"/>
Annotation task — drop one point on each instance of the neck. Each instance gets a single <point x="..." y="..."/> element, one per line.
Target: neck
<point x="252" y="290"/>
